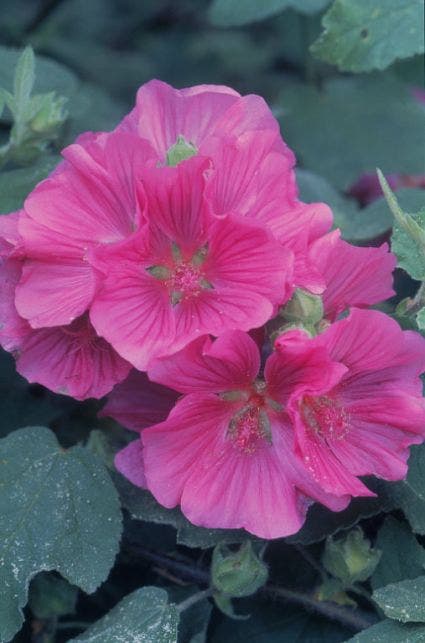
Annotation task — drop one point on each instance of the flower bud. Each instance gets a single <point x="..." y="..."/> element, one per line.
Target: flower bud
<point x="350" y="558"/>
<point x="239" y="573"/>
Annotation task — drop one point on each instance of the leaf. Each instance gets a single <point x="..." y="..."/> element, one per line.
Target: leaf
<point x="15" y="185"/>
<point x="232" y="13"/>
<point x="410" y="249"/>
<point x="59" y="511"/>
<point x="23" y="82"/>
<point x="274" y="623"/>
<point x="322" y="522"/>
<point x="402" y="556"/>
<point x="403" y="601"/>
<point x="51" y="596"/>
<point x="23" y="404"/>
<point x="145" y="616"/>
<point x="409" y="494"/>
<point x="49" y="75"/>
<point x="347" y="134"/>
<point x="362" y="35"/>
<point x="388" y="631"/>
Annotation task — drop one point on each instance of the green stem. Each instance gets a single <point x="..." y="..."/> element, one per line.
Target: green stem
<point x="195" y="598"/>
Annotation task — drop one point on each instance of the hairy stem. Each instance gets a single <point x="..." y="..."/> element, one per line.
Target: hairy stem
<point x="195" y="598"/>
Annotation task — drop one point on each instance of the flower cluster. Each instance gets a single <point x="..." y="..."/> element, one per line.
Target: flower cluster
<point x="171" y="261"/>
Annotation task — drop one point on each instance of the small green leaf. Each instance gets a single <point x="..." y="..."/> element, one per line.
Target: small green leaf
<point x="408" y="244"/>
<point x="403" y="601"/>
<point x="145" y="616"/>
<point x="351" y="558"/>
<point x="51" y="596"/>
<point x="388" y="631"/>
<point x="402" y="556"/>
<point x="361" y="35"/>
<point x="59" y="510"/>
<point x="409" y="494"/>
<point x="232" y="13"/>
<point x="23" y="82"/>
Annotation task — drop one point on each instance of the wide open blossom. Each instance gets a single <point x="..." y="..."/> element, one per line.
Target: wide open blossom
<point x="225" y="452"/>
<point x="354" y="276"/>
<point x="187" y="273"/>
<point x="71" y="359"/>
<point x="363" y="422"/>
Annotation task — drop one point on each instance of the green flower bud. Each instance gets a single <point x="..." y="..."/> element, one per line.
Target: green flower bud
<point x="351" y="558"/>
<point x="303" y="307"/>
<point x="237" y="574"/>
<point x="50" y="113"/>
<point x="180" y="151"/>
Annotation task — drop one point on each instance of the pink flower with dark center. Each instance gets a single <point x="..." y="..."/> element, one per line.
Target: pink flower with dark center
<point x="365" y="420"/>
<point x="225" y="452"/>
<point x="353" y="276"/>
<point x="187" y="273"/>
<point x="72" y="359"/>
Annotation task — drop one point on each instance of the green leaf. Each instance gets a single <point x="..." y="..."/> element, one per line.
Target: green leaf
<point x="408" y="246"/>
<point x="51" y="596"/>
<point x="409" y="494"/>
<point x="275" y="623"/>
<point x="232" y="13"/>
<point x="362" y="35"/>
<point x="23" y="82"/>
<point x="15" y="185"/>
<point x="49" y="75"/>
<point x="322" y="522"/>
<point x="402" y="556"/>
<point x="59" y="511"/>
<point x="347" y="134"/>
<point x="388" y="631"/>
<point x="420" y="319"/>
<point x="403" y="601"/>
<point x="145" y="616"/>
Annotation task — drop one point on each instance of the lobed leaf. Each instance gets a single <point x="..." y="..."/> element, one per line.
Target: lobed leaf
<point x="362" y="35"/>
<point x="403" y="601"/>
<point x="59" y="511"/>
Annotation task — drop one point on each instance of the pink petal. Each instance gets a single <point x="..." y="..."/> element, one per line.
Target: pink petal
<point x="230" y="363"/>
<point x="366" y="340"/>
<point x="299" y="366"/>
<point x="175" y="202"/>
<point x="54" y="294"/>
<point x="354" y="276"/>
<point x="244" y="257"/>
<point x="93" y="198"/>
<point x="12" y="327"/>
<point x="137" y="403"/>
<point x="71" y="360"/>
<point x="129" y="462"/>
<point x="132" y="311"/>
<point x="163" y="113"/>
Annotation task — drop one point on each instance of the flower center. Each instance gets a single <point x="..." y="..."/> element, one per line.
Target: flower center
<point x="249" y="429"/>
<point x="185" y="279"/>
<point x="325" y="417"/>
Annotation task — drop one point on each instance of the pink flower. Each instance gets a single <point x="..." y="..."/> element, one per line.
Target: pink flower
<point x="187" y="273"/>
<point x="225" y="452"/>
<point x="353" y="276"/>
<point x="71" y="359"/>
<point x="362" y="422"/>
